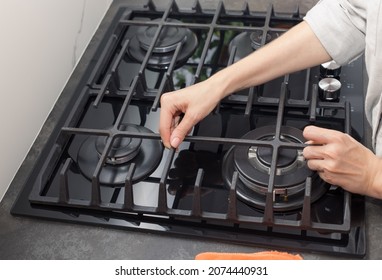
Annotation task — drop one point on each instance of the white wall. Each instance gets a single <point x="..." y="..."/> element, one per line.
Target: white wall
<point x="40" y="43"/>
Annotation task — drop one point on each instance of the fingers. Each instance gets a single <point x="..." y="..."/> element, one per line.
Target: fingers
<point x="316" y="164"/>
<point x="185" y="101"/>
<point x="315" y="156"/>
<point x="316" y="153"/>
<point x="318" y="135"/>
<point x="325" y="151"/>
<point x="181" y="130"/>
<point x="314" y="135"/>
<point x="166" y="125"/>
<point x="319" y="139"/>
<point x="172" y="128"/>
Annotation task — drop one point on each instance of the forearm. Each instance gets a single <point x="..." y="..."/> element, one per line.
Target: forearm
<point x="295" y="50"/>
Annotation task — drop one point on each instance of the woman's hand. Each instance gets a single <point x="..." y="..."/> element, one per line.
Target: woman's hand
<point x="195" y="102"/>
<point x="341" y="160"/>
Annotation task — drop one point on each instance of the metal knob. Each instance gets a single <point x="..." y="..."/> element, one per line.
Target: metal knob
<point x="330" y="69"/>
<point x="329" y="89"/>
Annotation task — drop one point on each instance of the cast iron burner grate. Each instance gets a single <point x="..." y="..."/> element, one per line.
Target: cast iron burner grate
<point x="104" y="163"/>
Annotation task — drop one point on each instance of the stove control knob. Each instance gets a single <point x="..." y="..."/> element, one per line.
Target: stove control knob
<point x="329" y="89"/>
<point x="330" y="69"/>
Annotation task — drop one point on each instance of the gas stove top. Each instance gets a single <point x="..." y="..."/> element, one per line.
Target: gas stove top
<point x="238" y="177"/>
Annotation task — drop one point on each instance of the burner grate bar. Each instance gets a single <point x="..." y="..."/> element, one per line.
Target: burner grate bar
<point x="127" y="100"/>
<point x="347" y="118"/>
<point x="201" y="26"/>
<point x="207" y="43"/>
<point x="196" y="202"/>
<point x="150" y="5"/>
<point x="248" y="107"/>
<point x="166" y="84"/>
<point x="96" y="188"/>
<point x="85" y="131"/>
<point x="244" y="142"/>
<point x="207" y="139"/>
<point x="63" y="196"/>
<point x="128" y="196"/>
<point x="267" y="24"/>
<point x="306" y="86"/>
<point x="166" y="23"/>
<point x="103" y="90"/>
<point x="106" y="85"/>
<point x="105" y="55"/>
<point x="95" y="193"/>
<point x="313" y="103"/>
<point x="276" y="144"/>
<point x="347" y="210"/>
<point x="306" y="207"/>
<point x="232" y="199"/>
<point x="162" y="196"/>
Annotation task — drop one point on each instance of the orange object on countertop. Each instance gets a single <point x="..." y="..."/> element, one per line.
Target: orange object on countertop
<point x="264" y="255"/>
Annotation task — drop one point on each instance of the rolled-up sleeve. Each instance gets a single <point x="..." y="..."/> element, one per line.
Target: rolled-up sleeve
<point x="340" y="26"/>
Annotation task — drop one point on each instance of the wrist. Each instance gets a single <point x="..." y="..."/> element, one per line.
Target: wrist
<point x="375" y="183"/>
<point x="220" y="83"/>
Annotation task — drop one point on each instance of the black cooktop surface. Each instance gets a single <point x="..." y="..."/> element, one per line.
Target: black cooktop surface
<point x="238" y="177"/>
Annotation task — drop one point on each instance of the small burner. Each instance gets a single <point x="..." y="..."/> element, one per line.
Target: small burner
<point x="247" y="42"/>
<point x="123" y="150"/>
<point x="145" y="153"/>
<point x="254" y="164"/>
<point x="165" y="46"/>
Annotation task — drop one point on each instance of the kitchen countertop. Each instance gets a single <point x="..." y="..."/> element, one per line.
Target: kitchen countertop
<point x="32" y="238"/>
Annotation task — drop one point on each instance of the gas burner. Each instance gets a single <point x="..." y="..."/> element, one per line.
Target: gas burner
<point x="123" y="149"/>
<point x="165" y="46"/>
<point x="145" y="153"/>
<point x="254" y="163"/>
<point x="247" y="42"/>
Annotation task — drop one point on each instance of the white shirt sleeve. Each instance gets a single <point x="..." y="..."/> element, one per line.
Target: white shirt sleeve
<point x="340" y="25"/>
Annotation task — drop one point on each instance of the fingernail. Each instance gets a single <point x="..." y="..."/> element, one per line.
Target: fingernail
<point x="175" y="142"/>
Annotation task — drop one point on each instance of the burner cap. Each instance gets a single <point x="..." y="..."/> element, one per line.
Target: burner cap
<point x="254" y="164"/>
<point x="165" y="45"/>
<point x="145" y="153"/>
<point x="286" y="157"/>
<point x="123" y="149"/>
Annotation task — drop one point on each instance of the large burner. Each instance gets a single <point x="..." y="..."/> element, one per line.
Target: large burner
<point x="145" y="153"/>
<point x="254" y="164"/>
<point x="247" y="42"/>
<point x="165" y="46"/>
